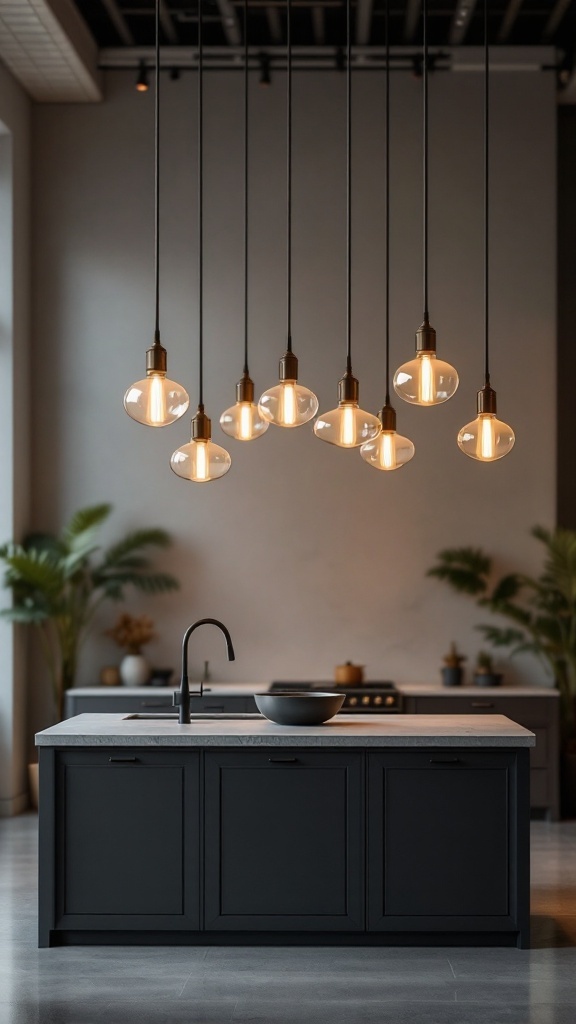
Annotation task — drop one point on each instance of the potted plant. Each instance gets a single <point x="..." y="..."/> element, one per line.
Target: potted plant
<point x="452" y="672"/>
<point x="541" y="611"/>
<point x="59" y="582"/>
<point x="131" y="633"/>
<point x="485" y="673"/>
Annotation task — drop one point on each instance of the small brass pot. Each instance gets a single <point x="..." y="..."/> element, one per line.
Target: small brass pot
<point x="349" y="674"/>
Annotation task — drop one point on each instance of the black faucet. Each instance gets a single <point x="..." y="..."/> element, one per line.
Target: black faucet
<point x="181" y="698"/>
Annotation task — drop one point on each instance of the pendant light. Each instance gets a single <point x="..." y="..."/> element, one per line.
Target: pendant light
<point x="486" y="438"/>
<point x="289" y="404"/>
<point x="388" y="450"/>
<point x="348" y="426"/>
<point x="425" y="380"/>
<point x="156" y="401"/>
<point x="200" y="460"/>
<point x="243" y="420"/>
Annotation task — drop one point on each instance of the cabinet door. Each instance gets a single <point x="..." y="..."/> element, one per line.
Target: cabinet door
<point x="443" y="843"/>
<point x="126" y="858"/>
<point x="284" y="840"/>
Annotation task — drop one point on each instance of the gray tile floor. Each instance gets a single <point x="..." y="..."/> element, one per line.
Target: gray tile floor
<point x="131" y="985"/>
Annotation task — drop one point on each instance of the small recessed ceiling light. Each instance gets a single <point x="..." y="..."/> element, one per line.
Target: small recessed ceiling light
<point x="142" y="84"/>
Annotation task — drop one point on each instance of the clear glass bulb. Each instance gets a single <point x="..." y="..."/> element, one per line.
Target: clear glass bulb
<point x="486" y="438"/>
<point x="388" y="450"/>
<point x="243" y="422"/>
<point x="289" y="404"/>
<point x="425" y="380"/>
<point x="200" y="461"/>
<point x="347" y="426"/>
<point x="156" y="401"/>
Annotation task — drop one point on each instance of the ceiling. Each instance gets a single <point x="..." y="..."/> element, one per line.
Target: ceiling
<point x="130" y="23"/>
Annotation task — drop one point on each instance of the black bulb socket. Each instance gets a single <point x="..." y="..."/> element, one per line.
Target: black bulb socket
<point x="245" y="389"/>
<point x="425" y="337"/>
<point x="288" y="366"/>
<point x="201" y="426"/>
<point x="487" y="401"/>
<point x="348" y="389"/>
<point x="387" y="417"/>
<point x="156" y="358"/>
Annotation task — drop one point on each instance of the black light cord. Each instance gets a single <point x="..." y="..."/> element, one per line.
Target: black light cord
<point x="425" y="154"/>
<point x="157" y="176"/>
<point x="486" y="195"/>
<point x="387" y="199"/>
<point x="200" y="208"/>
<point x="348" y="186"/>
<point x="289" y="172"/>
<point x="246" y="371"/>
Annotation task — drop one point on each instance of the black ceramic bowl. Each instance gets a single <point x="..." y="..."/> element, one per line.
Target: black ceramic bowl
<point x="299" y="708"/>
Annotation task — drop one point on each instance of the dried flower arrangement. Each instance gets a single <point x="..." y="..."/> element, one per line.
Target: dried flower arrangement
<point x="132" y="632"/>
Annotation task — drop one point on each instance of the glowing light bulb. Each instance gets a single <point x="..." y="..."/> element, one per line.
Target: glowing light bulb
<point x="200" y="461"/>
<point x="347" y="426"/>
<point x="425" y="380"/>
<point x="389" y="450"/>
<point x="156" y="401"/>
<point x="486" y="438"/>
<point x="289" y="404"/>
<point x="243" y="421"/>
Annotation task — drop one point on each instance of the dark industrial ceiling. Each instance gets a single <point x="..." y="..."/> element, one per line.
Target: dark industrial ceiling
<point x="130" y="23"/>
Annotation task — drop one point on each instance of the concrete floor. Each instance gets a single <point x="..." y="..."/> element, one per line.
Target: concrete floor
<point x="131" y="985"/>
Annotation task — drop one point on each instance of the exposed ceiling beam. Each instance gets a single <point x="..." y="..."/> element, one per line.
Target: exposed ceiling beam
<point x="411" y="19"/>
<point x="47" y="46"/>
<point x="461" y="21"/>
<point x="274" y="25"/>
<point x="167" y="24"/>
<point x="363" y="22"/>
<point x="509" y="19"/>
<point x="556" y="15"/>
<point x="230" y="22"/>
<point x="318" y="25"/>
<point x="119" y="21"/>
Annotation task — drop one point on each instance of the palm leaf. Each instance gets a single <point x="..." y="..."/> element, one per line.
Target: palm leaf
<point x="85" y="521"/>
<point x="135" y="541"/>
<point x="33" y="570"/>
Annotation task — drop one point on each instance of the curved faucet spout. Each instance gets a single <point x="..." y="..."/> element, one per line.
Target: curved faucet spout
<point x="182" y="696"/>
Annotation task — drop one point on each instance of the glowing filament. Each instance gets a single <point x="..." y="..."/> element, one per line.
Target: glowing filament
<point x="426" y="379"/>
<point x="156" y="400"/>
<point x="348" y="429"/>
<point x="387" y="452"/>
<point x="288" y="407"/>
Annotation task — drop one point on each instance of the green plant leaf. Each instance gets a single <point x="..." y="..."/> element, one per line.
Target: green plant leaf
<point x="135" y="542"/>
<point x="84" y="521"/>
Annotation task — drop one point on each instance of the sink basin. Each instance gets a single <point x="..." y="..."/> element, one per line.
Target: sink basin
<point x="199" y="716"/>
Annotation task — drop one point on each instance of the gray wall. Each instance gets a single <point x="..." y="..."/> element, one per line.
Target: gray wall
<point x="308" y="555"/>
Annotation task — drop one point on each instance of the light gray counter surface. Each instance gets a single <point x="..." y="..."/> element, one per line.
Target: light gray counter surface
<point x="344" y="731"/>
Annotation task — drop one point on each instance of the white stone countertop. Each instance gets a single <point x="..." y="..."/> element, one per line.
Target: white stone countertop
<point x="343" y="731"/>
<point x="245" y="689"/>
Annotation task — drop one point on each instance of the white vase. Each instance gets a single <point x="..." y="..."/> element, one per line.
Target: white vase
<point x="134" y="670"/>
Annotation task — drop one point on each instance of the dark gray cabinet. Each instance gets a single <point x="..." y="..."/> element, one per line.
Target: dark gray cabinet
<point x="442" y="829"/>
<point x="115" y="701"/>
<point x="540" y="714"/>
<point x="235" y="844"/>
<point x="126" y="855"/>
<point x="284" y="841"/>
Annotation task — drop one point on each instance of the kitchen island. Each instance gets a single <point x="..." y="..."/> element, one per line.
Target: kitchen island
<point x="366" y="830"/>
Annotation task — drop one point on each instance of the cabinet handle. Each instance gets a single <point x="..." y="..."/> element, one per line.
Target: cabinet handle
<point x="481" y="704"/>
<point x="122" y="760"/>
<point x="283" y="760"/>
<point x="155" y="704"/>
<point x="444" y="760"/>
